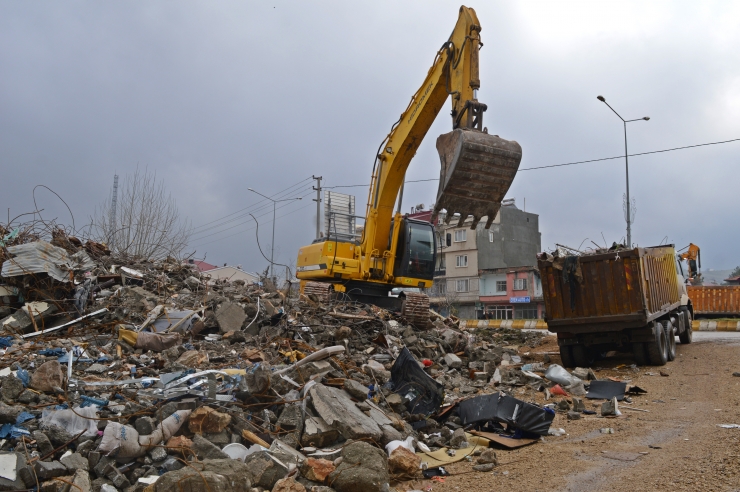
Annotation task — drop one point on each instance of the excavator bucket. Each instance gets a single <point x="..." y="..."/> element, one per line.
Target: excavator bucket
<point x="477" y="171"/>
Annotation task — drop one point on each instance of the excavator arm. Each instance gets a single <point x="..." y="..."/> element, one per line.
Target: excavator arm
<point x="477" y="169"/>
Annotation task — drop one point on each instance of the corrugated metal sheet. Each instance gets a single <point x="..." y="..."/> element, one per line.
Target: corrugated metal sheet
<point x="42" y="257"/>
<point x="634" y="283"/>
<point x="715" y="299"/>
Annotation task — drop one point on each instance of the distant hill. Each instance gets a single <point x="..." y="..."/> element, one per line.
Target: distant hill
<point x="715" y="277"/>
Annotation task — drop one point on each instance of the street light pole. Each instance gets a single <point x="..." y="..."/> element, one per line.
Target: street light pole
<point x="626" y="168"/>
<point x="274" y="203"/>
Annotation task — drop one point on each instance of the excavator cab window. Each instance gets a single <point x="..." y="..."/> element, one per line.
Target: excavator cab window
<point x="416" y="254"/>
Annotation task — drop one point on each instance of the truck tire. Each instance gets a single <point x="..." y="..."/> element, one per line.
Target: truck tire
<point x="687" y="335"/>
<point x="582" y="356"/>
<point x="566" y="356"/>
<point x="657" y="350"/>
<point x="670" y="338"/>
<point x="639" y="352"/>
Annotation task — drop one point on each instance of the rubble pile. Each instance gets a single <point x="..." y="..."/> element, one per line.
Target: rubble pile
<point x="131" y="375"/>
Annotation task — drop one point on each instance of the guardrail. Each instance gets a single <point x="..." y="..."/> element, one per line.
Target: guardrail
<point x="538" y="324"/>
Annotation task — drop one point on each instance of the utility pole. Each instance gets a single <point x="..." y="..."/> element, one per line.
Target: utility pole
<point x="318" y="204"/>
<point x="112" y="218"/>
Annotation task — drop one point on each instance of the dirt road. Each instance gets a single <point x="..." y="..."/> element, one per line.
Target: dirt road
<point x="674" y="444"/>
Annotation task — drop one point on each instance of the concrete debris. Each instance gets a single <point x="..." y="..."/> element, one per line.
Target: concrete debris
<point x="173" y="367"/>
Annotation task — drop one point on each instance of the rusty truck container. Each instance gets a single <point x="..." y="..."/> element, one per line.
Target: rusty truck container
<point x="715" y="300"/>
<point x="609" y="291"/>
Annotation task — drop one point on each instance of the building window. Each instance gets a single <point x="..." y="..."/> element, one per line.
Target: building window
<point x="490" y="236"/>
<point x="461" y="235"/>
<point x="501" y="286"/>
<point x="525" y="312"/>
<point x="520" y="284"/>
<point x="500" y="312"/>
<point x="461" y="260"/>
<point x="463" y="285"/>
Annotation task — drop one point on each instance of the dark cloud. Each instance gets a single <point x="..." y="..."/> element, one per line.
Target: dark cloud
<point x="220" y="97"/>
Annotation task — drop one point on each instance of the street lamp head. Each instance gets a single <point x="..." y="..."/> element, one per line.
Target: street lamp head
<point x="601" y="98"/>
<point x="646" y="118"/>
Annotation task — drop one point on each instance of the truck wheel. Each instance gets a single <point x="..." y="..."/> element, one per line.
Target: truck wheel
<point x="670" y="338"/>
<point x="687" y="335"/>
<point x="566" y="356"/>
<point x="639" y="352"/>
<point x="657" y="350"/>
<point x="582" y="356"/>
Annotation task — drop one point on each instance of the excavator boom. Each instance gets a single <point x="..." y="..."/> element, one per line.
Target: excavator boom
<point x="477" y="170"/>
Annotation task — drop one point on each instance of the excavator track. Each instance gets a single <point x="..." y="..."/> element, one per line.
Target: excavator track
<point x="321" y="290"/>
<point x="415" y="309"/>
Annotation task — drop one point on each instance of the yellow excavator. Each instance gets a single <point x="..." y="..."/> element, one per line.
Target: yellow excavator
<point x="477" y="171"/>
<point x="693" y="259"/>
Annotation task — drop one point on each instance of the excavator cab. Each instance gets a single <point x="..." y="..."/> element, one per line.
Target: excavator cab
<point x="416" y="253"/>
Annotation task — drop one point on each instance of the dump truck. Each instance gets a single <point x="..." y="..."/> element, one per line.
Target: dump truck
<point x="715" y="301"/>
<point x="628" y="300"/>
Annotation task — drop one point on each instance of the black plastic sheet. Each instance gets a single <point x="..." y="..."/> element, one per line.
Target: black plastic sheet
<point x="422" y="393"/>
<point x="501" y="407"/>
<point x="606" y="390"/>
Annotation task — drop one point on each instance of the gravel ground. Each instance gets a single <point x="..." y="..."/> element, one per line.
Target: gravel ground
<point x="675" y="445"/>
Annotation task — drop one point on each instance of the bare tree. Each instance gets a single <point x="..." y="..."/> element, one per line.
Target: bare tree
<point x="147" y="221"/>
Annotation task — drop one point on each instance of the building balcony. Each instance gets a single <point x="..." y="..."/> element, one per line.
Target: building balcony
<point x="440" y="273"/>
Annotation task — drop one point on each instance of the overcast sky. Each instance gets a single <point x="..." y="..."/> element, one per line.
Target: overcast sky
<point x="218" y="97"/>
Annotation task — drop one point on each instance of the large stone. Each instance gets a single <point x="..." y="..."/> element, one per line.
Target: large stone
<point x="488" y="456"/>
<point x="339" y="412"/>
<point x="43" y="443"/>
<point x="386" y="424"/>
<point x="404" y="461"/>
<point x="265" y="470"/>
<point x="364" y="468"/>
<point x="12" y="388"/>
<point x="75" y="461"/>
<point x="207" y="420"/>
<point x="145" y="425"/>
<point x="317" y="433"/>
<point x="205" y="449"/>
<point x="48" y="377"/>
<point x="289" y="426"/>
<point x="230" y="317"/>
<point x="8" y="414"/>
<point x="288" y="485"/>
<point x="610" y="407"/>
<point x="49" y="469"/>
<point x="317" y="470"/>
<point x="458" y="439"/>
<point x="222" y="475"/>
<point x="81" y="481"/>
<point x="57" y="435"/>
<point x="24" y="475"/>
<point x="356" y="390"/>
<point x="452" y="361"/>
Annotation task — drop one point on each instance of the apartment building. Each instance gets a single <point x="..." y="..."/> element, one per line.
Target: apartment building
<point x="489" y="273"/>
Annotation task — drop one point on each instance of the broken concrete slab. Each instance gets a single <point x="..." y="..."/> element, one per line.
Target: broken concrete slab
<point x="217" y="475"/>
<point x="317" y="433"/>
<point x="264" y="469"/>
<point x="339" y="412"/>
<point x="230" y="317"/>
<point x="363" y="468"/>
<point x="48" y="377"/>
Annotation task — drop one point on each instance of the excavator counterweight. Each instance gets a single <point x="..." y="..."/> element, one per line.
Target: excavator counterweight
<point x="477" y="171"/>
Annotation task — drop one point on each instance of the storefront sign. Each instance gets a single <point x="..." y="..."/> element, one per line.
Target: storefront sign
<point x="519" y="300"/>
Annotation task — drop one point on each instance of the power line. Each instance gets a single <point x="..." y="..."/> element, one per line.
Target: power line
<point x="259" y="201"/>
<point x="577" y="162"/>
<point x="355" y="186"/>
<point x="631" y="155"/>
<point x="286" y="204"/>
<point x="266" y="204"/>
